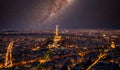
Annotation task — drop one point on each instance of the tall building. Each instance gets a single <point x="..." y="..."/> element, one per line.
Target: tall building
<point x="56" y="39"/>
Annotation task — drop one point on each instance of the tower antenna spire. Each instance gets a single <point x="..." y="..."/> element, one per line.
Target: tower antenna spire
<point x="57" y="31"/>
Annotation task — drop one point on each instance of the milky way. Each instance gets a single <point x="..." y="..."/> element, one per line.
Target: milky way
<point x="51" y="8"/>
<point x="70" y="14"/>
<point x="32" y="14"/>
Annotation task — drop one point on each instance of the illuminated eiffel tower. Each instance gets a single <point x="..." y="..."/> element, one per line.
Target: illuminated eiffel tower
<point x="57" y="38"/>
<point x="8" y="57"/>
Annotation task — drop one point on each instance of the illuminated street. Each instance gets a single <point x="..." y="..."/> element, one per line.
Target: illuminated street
<point x="76" y="50"/>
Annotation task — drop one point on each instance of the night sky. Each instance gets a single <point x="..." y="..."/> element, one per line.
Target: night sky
<point x="68" y="14"/>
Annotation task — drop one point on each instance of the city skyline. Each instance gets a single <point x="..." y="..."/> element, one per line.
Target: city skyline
<point x="81" y="51"/>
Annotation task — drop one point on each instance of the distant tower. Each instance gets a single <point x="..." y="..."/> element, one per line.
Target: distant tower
<point x="112" y="45"/>
<point x="8" y="57"/>
<point x="57" y="38"/>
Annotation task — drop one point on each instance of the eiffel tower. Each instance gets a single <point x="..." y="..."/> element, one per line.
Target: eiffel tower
<point x="56" y="39"/>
